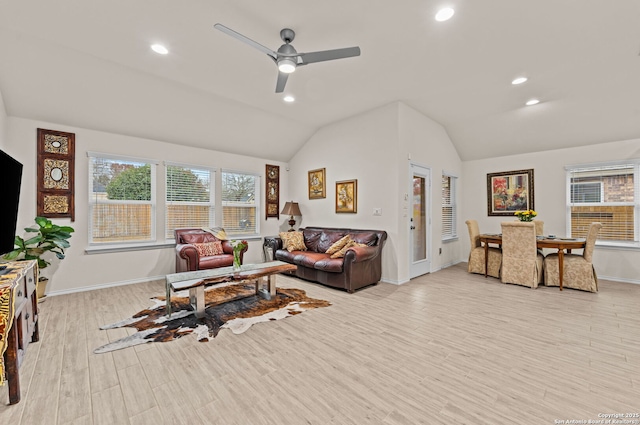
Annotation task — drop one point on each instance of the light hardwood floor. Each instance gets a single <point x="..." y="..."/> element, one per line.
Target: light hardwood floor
<point x="446" y="348"/>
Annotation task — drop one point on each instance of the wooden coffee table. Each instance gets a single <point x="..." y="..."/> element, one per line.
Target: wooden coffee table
<point x="196" y="281"/>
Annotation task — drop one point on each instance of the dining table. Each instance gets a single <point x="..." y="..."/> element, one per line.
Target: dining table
<point x="561" y="244"/>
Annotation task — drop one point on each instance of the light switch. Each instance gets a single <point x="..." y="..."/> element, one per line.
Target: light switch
<point x="377" y="211"/>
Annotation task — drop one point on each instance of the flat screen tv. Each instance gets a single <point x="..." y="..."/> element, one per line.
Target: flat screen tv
<point x="11" y="177"/>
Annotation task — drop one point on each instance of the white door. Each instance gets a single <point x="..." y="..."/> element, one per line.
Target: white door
<point x="419" y="221"/>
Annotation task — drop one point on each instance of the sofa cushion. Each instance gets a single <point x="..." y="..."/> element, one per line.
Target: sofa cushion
<point x="208" y="248"/>
<point x="218" y="232"/>
<point x="328" y="238"/>
<point x="367" y="238"/>
<point x="198" y="237"/>
<point x="311" y="239"/>
<point x="329" y="265"/>
<point x="338" y="245"/>
<point x="340" y="254"/>
<point x="308" y="259"/>
<point x="293" y="241"/>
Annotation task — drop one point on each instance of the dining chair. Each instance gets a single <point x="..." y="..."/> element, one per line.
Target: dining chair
<point x="578" y="271"/>
<point x="521" y="262"/>
<point x="539" y="227"/>
<point x="476" y="255"/>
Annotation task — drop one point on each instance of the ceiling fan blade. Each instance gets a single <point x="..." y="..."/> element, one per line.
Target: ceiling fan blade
<point x="282" y="81"/>
<point x="246" y="40"/>
<point x="327" y="55"/>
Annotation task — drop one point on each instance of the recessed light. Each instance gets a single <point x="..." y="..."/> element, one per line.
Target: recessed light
<point x="289" y="99"/>
<point x="444" y="14"/>
<point x="159" y="48"/>
<point x="532" y="102"/>
<point x="519" y="80"/>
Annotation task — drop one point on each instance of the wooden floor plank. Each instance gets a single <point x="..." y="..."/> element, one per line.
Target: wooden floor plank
<point x="448" y="347"/>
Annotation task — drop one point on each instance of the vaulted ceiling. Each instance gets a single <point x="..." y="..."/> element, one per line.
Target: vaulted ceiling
<point x="88" y="63"/>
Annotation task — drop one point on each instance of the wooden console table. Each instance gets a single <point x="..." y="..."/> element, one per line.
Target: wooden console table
<point x="18" y="319"/>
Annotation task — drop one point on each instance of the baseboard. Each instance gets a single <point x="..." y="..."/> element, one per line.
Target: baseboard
<point x="105" y="285"/>
<point x="618" y="279"/>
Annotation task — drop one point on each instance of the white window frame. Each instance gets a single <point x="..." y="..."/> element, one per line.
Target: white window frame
<point x="453" y="204"/>
<point x="212" y="191"/>
<point x="635" y="163"/>
<point x="93" y="201"/>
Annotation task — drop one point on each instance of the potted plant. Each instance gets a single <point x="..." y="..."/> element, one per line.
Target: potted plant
<point x="49" y="238"/>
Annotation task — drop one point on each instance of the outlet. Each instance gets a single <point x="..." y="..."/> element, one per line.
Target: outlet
<point x="377" y="211"/>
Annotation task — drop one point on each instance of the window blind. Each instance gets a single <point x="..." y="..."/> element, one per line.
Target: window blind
<point x="121" y="200"/>
<point x="449" y="210"/>
<point x="190" y="200"/>
<point x="605" y="194"/>
<point x="240" y="203"/>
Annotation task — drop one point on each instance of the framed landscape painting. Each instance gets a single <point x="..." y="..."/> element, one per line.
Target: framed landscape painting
<point x="347" y="196"/>
<point x="509" y="191"/>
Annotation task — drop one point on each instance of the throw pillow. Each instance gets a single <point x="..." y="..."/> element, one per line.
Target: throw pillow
<point x="293" y="241"/>
<point x="218" y="232"/>
<point x="208" y="249"/>
<point x="338" y="245"/>
<point x="343" y="250"/>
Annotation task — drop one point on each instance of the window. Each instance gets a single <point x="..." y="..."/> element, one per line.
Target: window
<point x="449" y="208"/>
<point x="240" y="202"/>
<point x="606" y="193"/>
<point x="121" y="199"/>
<point x="190" y="200"/>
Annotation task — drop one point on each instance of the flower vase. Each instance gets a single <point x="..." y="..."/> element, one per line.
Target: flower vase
<point x="237" y="263"/>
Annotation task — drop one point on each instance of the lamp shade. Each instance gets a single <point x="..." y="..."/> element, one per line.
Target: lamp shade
<point x="291" y="208"/>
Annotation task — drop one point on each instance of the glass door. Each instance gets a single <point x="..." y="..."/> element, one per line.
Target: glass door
<point x="419" y="221"/>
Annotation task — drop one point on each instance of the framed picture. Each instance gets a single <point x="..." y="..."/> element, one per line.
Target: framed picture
<point x="55" y="184"/>
<point x="317" y="187"/>
<point x="273" y="191"/>
<point x="509" y="192"/>
<point x="347" y="196"/>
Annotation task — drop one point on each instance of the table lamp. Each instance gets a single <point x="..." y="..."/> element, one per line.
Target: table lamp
<point x="291" y="209"/>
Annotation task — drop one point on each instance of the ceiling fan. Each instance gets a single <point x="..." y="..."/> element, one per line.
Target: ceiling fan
<point x="287" y="58"/>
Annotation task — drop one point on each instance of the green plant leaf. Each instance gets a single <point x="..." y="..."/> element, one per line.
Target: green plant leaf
<point x="12" y="255"/>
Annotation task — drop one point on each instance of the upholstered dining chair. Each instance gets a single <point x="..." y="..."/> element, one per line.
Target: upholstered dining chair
<point x="578" y="269"/>
<point x="521" y="262"/>
<point x="476" y="256"/>
<point x="539" y="227"/>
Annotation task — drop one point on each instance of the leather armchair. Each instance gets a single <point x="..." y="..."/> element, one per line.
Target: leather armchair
<point x="187" y="257"/>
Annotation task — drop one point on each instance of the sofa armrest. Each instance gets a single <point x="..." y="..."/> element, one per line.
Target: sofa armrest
<point x="186" y="258"/>
<point x="357" y="254"/>
<point x="273" y="243"/>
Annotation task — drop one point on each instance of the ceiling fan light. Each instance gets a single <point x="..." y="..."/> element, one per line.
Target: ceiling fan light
<point x="286" y="65"/>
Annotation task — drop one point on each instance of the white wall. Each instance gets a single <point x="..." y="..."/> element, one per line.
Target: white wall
<point x="427" y="143"/>
<point x="549" y="183"/>
<point x="373" y="147"/>
<point x="80" y="270"/>
<point x="3" y="124"/>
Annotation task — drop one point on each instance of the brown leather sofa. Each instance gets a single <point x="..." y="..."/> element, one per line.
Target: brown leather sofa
<point x="360" y="267"/>
<point x="187" y="258"/>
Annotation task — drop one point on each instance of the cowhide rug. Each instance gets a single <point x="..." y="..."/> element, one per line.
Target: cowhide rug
<point x="235" y="307"/>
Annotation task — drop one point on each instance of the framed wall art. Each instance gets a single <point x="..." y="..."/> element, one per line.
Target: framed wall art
<point x="273" y="191"/>
<point x="509" y="191"/>
<point x="347" y="196"/>
<point x="317" y="188"/>
<point x="55" y="185"/>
